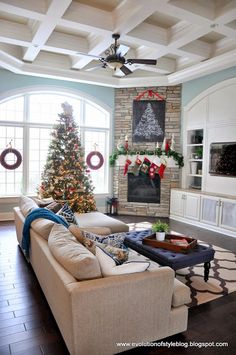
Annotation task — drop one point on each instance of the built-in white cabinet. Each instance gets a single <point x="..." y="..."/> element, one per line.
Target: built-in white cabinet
<point x="205" y="210"/>
<point x="193" y="153"/>
<point x="185" y="205"/>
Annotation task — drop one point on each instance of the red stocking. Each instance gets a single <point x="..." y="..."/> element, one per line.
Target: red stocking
<point x="161" y="170"/>
<point x="152" y="170"/>
<point x="127" y="163"/>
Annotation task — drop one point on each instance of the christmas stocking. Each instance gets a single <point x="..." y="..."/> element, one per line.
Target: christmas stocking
<point x="127" y="163"/>
<point x="145" y="166"/>
<point x="152" y="170"/>
<point x="136" y="167"/>
<point x="161" y="170"/>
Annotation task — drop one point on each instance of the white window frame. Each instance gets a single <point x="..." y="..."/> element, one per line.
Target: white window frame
<point x="75" y="94"/>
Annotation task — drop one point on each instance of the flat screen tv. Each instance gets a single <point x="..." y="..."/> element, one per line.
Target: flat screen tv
<point x="223" y="159"/>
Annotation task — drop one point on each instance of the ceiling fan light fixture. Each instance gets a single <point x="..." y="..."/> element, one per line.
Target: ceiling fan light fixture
<point x="115" y="65"/>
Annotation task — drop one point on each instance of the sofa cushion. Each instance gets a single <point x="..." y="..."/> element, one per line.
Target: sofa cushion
<point x="77" y="231"/>
<point x="72" y="255"/>
<point x="43" y="227"/>
<point x="109" y="267"/>
<point x="43" y="202"/>
<point x="98" y="219"/>
<point x="67" y="213"/>
<point x="27" y="205"/>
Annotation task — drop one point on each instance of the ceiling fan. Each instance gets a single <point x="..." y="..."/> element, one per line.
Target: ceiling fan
<point x="115" y="58"/>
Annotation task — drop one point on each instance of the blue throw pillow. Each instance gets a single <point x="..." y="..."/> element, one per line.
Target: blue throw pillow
<point x="67" y="213"/>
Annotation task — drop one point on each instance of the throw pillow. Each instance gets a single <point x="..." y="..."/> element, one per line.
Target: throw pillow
<point x="115" y="239"/>
<point x="109" y="267"/>
<point x="43" y="202"/>
<point x="27" y="205"/>
<point x="73" y="256"/>
<point x="67" y="213"/>
<point x="54" y="207"/>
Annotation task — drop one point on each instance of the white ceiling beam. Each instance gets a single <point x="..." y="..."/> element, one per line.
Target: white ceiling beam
<point x="212" y="65"/>
<point x="55" y="11"/>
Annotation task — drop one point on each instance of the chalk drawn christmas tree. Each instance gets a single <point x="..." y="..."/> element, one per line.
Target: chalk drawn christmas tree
<point x="148" y="126"/>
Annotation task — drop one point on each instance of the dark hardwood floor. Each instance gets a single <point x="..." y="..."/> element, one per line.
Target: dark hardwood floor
<point x="27" y="326"/>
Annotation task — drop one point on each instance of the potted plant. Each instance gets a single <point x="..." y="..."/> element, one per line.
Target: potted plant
<point x="160" y="228"/>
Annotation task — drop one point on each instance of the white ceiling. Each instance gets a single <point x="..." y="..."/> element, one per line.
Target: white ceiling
<point x="189" y="38"/>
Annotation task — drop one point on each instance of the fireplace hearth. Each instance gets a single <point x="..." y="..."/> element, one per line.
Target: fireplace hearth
<point x="143" y="189"/>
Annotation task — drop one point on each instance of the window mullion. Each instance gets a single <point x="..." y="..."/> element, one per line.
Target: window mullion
<point x="26" y="145"/>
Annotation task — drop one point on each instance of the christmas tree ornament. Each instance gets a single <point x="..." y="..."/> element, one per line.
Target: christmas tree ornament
<point x="136" y="166"/>
<point x="145" y="166"/>
<point x="152" y="170"/>
<point x="127" y="163"/>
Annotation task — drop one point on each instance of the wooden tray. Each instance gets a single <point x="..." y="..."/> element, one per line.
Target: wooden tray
<point x="166" y="244"/>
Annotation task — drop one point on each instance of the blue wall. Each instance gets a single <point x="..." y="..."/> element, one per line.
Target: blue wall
<point x="10" y="81"/>
<point x="194" y="87"/>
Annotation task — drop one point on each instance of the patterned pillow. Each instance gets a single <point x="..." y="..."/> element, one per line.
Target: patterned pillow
<point x="116" y="240"/>
<point x="67" y="213"/>
<point x="119" y="255"/>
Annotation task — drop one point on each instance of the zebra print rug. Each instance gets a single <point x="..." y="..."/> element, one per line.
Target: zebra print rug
<point x="222" y="276"/>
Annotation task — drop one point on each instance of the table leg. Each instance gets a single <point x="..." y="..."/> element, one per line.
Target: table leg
<point x="207" y="266"/>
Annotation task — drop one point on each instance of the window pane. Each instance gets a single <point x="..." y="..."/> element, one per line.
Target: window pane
<point x="39" y="139"/>
<point x="12" y="110"/>
<point x="95" y="117"/>
<point x="100" y="176"/>
<point x="44" y="108"/>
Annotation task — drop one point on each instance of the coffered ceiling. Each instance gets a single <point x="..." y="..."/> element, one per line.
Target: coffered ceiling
<point x="50" y="38"/>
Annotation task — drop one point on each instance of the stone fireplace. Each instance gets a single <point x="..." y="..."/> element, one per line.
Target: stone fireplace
<point x="123" y="126"/>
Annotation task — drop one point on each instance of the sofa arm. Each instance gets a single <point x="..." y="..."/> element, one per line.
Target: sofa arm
<point x="128" y="308"/>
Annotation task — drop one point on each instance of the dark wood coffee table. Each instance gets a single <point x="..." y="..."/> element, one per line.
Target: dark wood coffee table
<point x="198" y="255"/>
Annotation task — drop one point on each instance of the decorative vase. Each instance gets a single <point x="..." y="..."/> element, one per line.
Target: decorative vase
<point x="194" y="168"/>
<point x="160" y="236"/>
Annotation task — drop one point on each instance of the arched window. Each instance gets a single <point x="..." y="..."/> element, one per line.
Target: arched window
<point x="27" y="119"/>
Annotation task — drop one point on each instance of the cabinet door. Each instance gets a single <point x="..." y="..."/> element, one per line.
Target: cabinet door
<point x="209" y="210"/>
<point x="192" y="206"/>
<point x="227" y="214"/>
<point x="177" y="203"/>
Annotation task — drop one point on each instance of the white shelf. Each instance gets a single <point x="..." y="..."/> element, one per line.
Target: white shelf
<point x="195" y="145"/>
<point x="200" y="160"/>
<point x="195" y="175"/>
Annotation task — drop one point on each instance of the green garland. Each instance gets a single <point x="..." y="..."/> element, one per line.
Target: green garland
<point x="158" y="152"/>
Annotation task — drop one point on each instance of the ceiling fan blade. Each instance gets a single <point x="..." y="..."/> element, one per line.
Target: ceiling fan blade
<point x="125" y="70"/>
<point x="122" y="50"/>
<point x="142" y="61"/>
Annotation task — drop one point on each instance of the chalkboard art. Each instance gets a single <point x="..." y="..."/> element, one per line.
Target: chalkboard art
<point x="148" y="121"/>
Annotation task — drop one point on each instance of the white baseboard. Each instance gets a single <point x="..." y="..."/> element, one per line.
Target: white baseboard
<point x="203" y="225"/>
<point x="6" y="216"/>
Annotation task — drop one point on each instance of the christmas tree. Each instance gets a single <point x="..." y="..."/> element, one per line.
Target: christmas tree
<point x="65" y="177"/>
<point x="148" y="126"/>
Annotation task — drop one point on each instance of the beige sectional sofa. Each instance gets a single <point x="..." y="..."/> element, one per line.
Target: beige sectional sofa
<point x="95" y="315"/>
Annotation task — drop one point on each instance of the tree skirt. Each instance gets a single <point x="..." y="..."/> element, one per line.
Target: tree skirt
<point x="222" y="276"/>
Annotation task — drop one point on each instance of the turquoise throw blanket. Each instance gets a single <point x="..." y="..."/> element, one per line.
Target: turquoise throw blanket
<point x="38" y="213"/>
